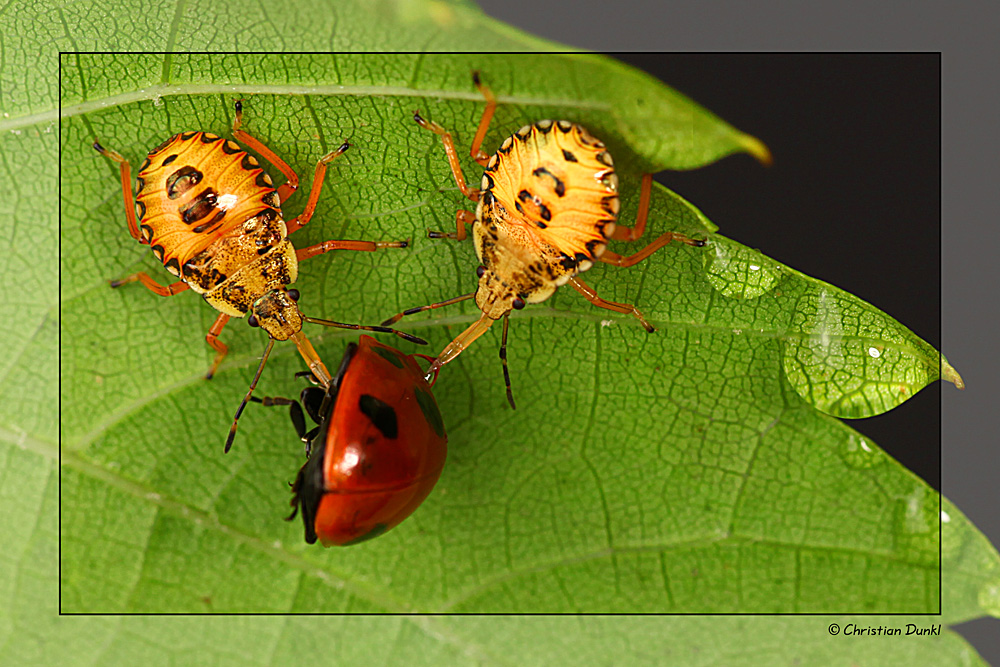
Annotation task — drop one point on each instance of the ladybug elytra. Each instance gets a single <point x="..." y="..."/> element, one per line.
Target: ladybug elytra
<point x="546" y="208"/>
<point x="377" y="452"/>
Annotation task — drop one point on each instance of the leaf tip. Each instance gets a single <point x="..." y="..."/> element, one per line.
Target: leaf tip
<point x="758" y="149"/>
<point x="949" y="373"/>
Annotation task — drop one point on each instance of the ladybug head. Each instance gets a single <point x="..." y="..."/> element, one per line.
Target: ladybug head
<point x="277" y="313"/>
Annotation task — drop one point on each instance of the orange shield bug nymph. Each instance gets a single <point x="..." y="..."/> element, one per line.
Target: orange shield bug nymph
<point x="546" y="208"/>
<point x="211" y="214"/>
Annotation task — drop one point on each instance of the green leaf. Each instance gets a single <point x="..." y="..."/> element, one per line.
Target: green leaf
<point x="678" y="468"/>
<point x="679" y="471"/>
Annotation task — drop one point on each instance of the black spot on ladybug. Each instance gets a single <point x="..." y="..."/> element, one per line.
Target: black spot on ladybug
<point x="376" y="530"/>
<point x="182" y="180"/>
<point x="382" y="415"/>
<point x="200" y="207"/>
<point x="389" y="356"/>
<point x="430" y="409"/>
<point x="568" y="156"/>
<point x="169" y="159"/>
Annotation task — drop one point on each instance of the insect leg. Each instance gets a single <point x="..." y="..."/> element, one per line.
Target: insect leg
<point x="449" y="149"/>
<point x="212" y="338"/>
<point x="590" y="295"/>
<point x="152" y="285"/>
<point x="462" y="218"/>
<point x="292" y="184"/>
<point x="364" y="246"/>
<point x="317" y="188"/>
<point x="126" y="178"/>
<point x="484" y="122"/>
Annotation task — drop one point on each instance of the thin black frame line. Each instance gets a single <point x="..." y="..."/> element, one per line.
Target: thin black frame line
<point x="59" y="357"/>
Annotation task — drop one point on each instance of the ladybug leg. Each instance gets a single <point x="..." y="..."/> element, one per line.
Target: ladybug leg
<point x="365" y="246"/>
<point x="292" y="184"/>
<point x="590" y="295"/>
<point x="503" y="360"/>
<point x="294" y="409"/>
<point x="152" y="285"/>
<point x="484" y="122"/>
<point x="126" y="178"/>
<point x="449" y="149"/>
<point x="412" y="311"/>
<point x="317" y="188"/>
<point x="212" y="338"/>
<point x="462" y="218"/>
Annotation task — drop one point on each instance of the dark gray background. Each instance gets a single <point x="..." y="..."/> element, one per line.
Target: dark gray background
<point x="870" y="161"/>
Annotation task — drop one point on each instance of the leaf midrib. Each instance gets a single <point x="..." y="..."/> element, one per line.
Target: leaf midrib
<point x="160" y="91"/>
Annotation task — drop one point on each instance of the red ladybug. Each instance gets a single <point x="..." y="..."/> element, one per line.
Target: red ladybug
<point x="378" y="450"/>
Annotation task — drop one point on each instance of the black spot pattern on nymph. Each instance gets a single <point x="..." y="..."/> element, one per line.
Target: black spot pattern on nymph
<point x="230" y="147"/>
<point x="198" y="208"/>
<point x="546" y="213"/>
<point x="140" y="209"/>
<point x="271" y="199"/>
<point x="182" y="180"/>
<point x="592" y="246"/>
<point x="139" y="184"/>
<point x="208" y="137"/>
<point x="560" y="187"/>
<point x="248" y="162"/>
<point x="174" y="264"/>
<point x="567" y="262"/>
<point x="169" y="159"/>
<point x="263" y="180"/>
<point x="157" y="252"/>
<point x="202" y="227"/>
<point x="569" y="157"/>
<point x="187" y="135"/>
<point x="517" y="205"/>
<point x="163" y="145"/>
<point x="382" y="415"/>
<point x="147" y="232"/>
<point x="524" y="196"/>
